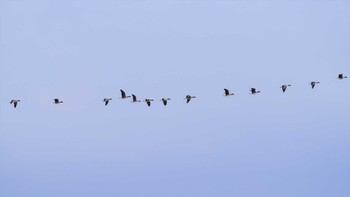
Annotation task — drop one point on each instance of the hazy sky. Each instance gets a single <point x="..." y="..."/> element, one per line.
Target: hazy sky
<point x="271" y="144"/>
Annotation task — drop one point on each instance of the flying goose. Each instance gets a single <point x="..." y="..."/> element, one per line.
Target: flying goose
<point x="148" y="101"/>
<point x="165" y="101"/>
<point x="253" y="91"/>
<point x="134" y="99"/>
<point x="284" y="87"/>
<point x="227" y="92"/>
<point x="341" y="76"/>
<point x="189" y="97"/>
<point x="123" y="94"/>
<point x="106" y="100"/>
<point x="57" y="101"/>
<point x="14" y="102"/>
<point x="313" y="84"/>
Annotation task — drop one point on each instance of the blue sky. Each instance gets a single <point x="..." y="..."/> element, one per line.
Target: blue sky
<point x="271" y="144"/>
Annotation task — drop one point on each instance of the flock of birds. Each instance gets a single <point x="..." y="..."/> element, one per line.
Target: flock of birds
<point x="188" y="98"/>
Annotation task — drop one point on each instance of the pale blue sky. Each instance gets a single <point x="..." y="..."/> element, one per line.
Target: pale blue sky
<point x="272" y="144"/>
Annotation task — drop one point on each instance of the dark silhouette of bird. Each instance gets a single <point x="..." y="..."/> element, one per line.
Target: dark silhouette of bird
<point x="313" y="84"/>
<point x="341" y="76"/>
<point x="148" y="101"/>
<point x="254" y="91"/>
<point x="227" y="92"/>
<point x="165" y="101"/>
<point x="189" y="97"/>
<point x="106" y="100"/>
<point x="123" y="95"/>
<point x="57" y="101"/>
<point x="14" y="102"/>
<point x="134" y="99"/>
<point x="284" y="87"/>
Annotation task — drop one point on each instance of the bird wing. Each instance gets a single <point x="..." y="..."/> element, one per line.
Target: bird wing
<point x="11" y="101"/>
<point x="148" y="103"/>
<point x="165" y="102"/>
<point x="15" y="104"/>
<point x="227" y="92"/>
<point x="106" y="102"/>
<point x="122" y="93"/>
<point x="56" y="101"/>
<point x="188" y="99"/>
<point x="134" y="98"/>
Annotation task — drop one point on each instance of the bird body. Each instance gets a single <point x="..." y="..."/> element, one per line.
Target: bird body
<point x="106" y="100"/>
<point x="123" y="95"/>
<point x="14" y="102"/>
<point x="227" y="92"/>
<point x="57" y="101"/>
<point x="254" y="91"/>
<point x="313" y="84"/>
<point x="341" y="76"/>
<point x="189" y="97"/>
<point x="134" y="99"/>
<point x="165" y="101"/>
<point x="148" y="101"/>
<point x="284" y="87"/>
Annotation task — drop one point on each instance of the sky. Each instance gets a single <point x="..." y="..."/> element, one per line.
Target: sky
<point x="270" y="144"/>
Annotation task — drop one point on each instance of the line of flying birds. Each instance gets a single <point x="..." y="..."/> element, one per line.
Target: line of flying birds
<point x="188" y="97"/>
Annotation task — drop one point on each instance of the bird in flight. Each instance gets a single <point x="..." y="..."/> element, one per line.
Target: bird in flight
<point x="227" y="92"/>
<point x="57" y="101"/>
<point x="254" y="91"/>
<point x="341" y="76"/>
<point x="313" y="84"/>
<point x="123" y="94"/>
<point x="189" y="97"/>
<point x="284" y="87"/>
<point x="106" y="100"/>
<point x="134" y="99"/>
<point x="165" y="101"/>
<point x="14" y="102"/>
<point x="148" y="101"/>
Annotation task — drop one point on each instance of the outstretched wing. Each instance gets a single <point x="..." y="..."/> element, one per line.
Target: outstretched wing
<point x="134" y="99"/>
<point x="227" y="92"/>
<point x="165" y="102"/>
<point x="122" y="93"/>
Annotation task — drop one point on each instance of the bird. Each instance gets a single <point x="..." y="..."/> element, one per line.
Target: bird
<point x="57" y="101"/>
<point x="253" y="91"/>
<point x="189" y="97"/>
<point x="134" y="99"/>
<point x="341" y="76"/>
<point x="106" y="100"/>
<point x="313" y="84"/>
<point x="227" y="92"/>
<point x="123" y="94"/>
<point x="148" y="101"/>
<point x="165" y="101"/>
<point x="14" y="102"/>
<point x="284" y="87"/>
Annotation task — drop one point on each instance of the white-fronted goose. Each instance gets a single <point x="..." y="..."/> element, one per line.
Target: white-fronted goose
<point x="57" y="101"/>
<point x="284" y="87"/>
<point x="254" y="91"/>
<point x="189" y="97"/>
<point x="165" y="101"/>
<point x="148" y="101"/>
<point x="227" y="92"/>
<point x="123" y="95"/>
<point x="14" y="102"/>
<point x="106" y="100"/>
<point x="313" y="84"/>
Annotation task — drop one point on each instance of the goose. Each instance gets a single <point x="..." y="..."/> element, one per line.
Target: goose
<point x="134" y="99"/>
<point x="341" y="76"/>
<point x="227" y="92"/>
<point x="253" y="91"/>
<point x="106" y="100"/>
<point x="148" y="101"/>
<point x="57" y="101"/>
<point x="14" y="102"/>
<point x="189" y="97"/>
<point x="284" y="87"/>
<point x="165" y="101"/>
<point x="313" y="84"/>
<point x="123" y="94"/>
